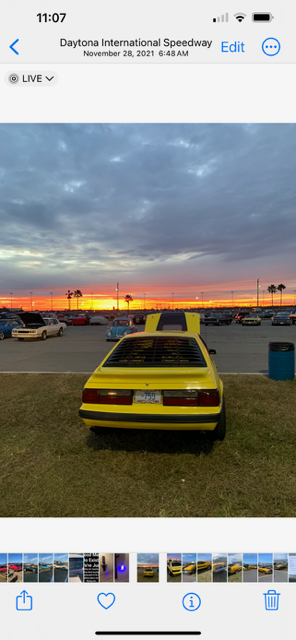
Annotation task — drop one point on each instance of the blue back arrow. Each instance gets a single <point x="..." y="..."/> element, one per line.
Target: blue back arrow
<point x="11" y="46"/>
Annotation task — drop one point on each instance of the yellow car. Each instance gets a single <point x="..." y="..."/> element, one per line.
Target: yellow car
<point x="148" y="573"/>
<point x="234" y="568"/>
<point x="158" y="380"/>
<point x="189" y="569"/>
<point x="174" y="567"/>
<point x="265" y="569"/>
<point x="203" y="564"/>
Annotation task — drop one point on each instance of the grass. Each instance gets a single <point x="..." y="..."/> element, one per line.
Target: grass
<point x="52" y="465"/>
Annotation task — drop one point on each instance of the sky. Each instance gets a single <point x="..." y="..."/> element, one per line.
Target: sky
<point x="151" y="559"/>
<point x="172" y="212"/>
<point x="250" y="558"/>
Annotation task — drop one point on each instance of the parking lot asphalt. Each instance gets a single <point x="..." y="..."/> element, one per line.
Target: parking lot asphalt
<point x="81" y="349"/>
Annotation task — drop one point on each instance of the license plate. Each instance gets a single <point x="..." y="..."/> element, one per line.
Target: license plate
<point x="148" y="397"/>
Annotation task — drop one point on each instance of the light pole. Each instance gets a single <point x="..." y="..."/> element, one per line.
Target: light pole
<point x="117" y="293"/>
<point x="10" y="300"/>
<point x="173" y="301"/>
<point x="202" y="298"/>
<point x="197" y="302"/>
<point x="144" y="294"/>
<point x="51" y="304"/>
<point x="232" y="292"/>
<point x="31" y="293"/>
<point x="258" y="287"/>
<point x="92" y="300"/>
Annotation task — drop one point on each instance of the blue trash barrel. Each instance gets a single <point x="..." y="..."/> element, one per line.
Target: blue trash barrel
<point x="281" y="360"/>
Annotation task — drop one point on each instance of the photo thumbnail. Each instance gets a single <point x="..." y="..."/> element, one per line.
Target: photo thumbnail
<point x="106" y="567"/>
<point x="3" y="567"/>
<point x="174" y="567"/>
<point x="147" y="253"/>
<point x="188" y="567"/>
<point x="61" y="567"/>
<point x="30" y="567"/>
<point x="235" y="567"/>
<point x="45" y="567"/>
<point x="15" y="567"/>
<point x="204" y="567"/>
<point x="219" y="567"/>
<point x="76" y="566"/>
<point x="121" y="567"/>
<point x="147" y="567"/>
<point x="265" y="567"/>
<point x="250" y="567"/>
<point x="280" y="567"/>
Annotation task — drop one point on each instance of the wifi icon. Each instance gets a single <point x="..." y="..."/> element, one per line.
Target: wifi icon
<point x="240" y="16"/>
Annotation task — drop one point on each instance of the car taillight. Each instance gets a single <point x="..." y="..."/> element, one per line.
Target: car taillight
<point x="107" y="396"/>
<point x="181" y="398"/>
<point x="209" y="398"/>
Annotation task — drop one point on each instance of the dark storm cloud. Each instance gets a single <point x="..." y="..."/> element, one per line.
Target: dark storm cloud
<point x="129" y="199"/>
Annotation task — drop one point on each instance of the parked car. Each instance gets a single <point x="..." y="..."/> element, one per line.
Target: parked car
<point x="119" y="328"/>
<point x="240" y="316"/>
<point x="218" y="319"/>
<point x="174" y="567"/>
<point x="160" y="380"/>
<point x="251" y="319"/>
<point x="98" y="320"/>
<point x="293" y="316"/>
<point x="173" y="321"/>
<point x="268" y="313"/>
<point x="148" y="572"/>
<point x="34" y="326"/>
<point x="203" y="564"/>
<point x="281" y="319"/>
<point x="6" y="327"/>
<point x="189" y="568"/>
<point x="234" y="568"/>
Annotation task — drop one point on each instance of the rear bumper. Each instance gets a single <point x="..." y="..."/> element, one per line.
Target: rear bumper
<point x="200" y="422"/>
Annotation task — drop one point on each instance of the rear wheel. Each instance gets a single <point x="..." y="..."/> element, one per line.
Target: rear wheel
<point x="44" y="335"/>
<point x="220" y="430"/>
<point x="60" y="331"/>
<point x="2" y="336"/>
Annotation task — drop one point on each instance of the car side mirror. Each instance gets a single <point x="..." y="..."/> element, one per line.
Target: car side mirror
<point x="212" y="352"/>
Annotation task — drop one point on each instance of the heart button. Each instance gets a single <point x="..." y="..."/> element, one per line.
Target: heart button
<point x="106" y="600"/>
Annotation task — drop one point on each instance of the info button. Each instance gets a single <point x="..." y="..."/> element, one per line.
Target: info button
<point x="31" y="78"/>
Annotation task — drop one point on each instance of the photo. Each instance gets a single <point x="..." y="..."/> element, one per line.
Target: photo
<point x="235" y="567"/>
<point x="106" y="567"/>
<point x="91" y="567"/>
<point x="280" y="567"/>
<point x="3" y="567"/>
<point x="30" y="567"/>
<point x="188" y="567"/>
<point x="204" y="567"/>
<point x="121" y="567"/>
<point x="265" y="567"/>
<point x="45" y="567"/>
<point x="61" y="567"/>
<point x="219" y="567"/>
<point x="174" y="567"/>
<point x="250" y="567"/>
<point x="75" y="567"/>
<point x="147" y="567"/>
<point x="292" y="567"/>
<point x="15" y="567"/>
<point x="147" y="252"/>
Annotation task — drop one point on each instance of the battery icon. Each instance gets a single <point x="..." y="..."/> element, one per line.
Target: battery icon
<point x="262" y="17"/>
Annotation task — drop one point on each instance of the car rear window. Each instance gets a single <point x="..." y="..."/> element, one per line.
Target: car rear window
<point x="162" y="351"/>
<point x="172" y="322"/>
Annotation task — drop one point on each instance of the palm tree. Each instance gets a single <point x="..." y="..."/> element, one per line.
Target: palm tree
<point x="69" y="295"/>
<point x="77" y="294"/>
<point x="128" y="299"/>
<point x="272" y="289"/>
<point x="280" y="288"/>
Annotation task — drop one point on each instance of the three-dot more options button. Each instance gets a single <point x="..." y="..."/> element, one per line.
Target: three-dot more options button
<point x="31" y="78"/>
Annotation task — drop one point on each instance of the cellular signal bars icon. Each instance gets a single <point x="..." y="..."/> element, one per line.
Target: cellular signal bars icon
<point x="223" y="18"/>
